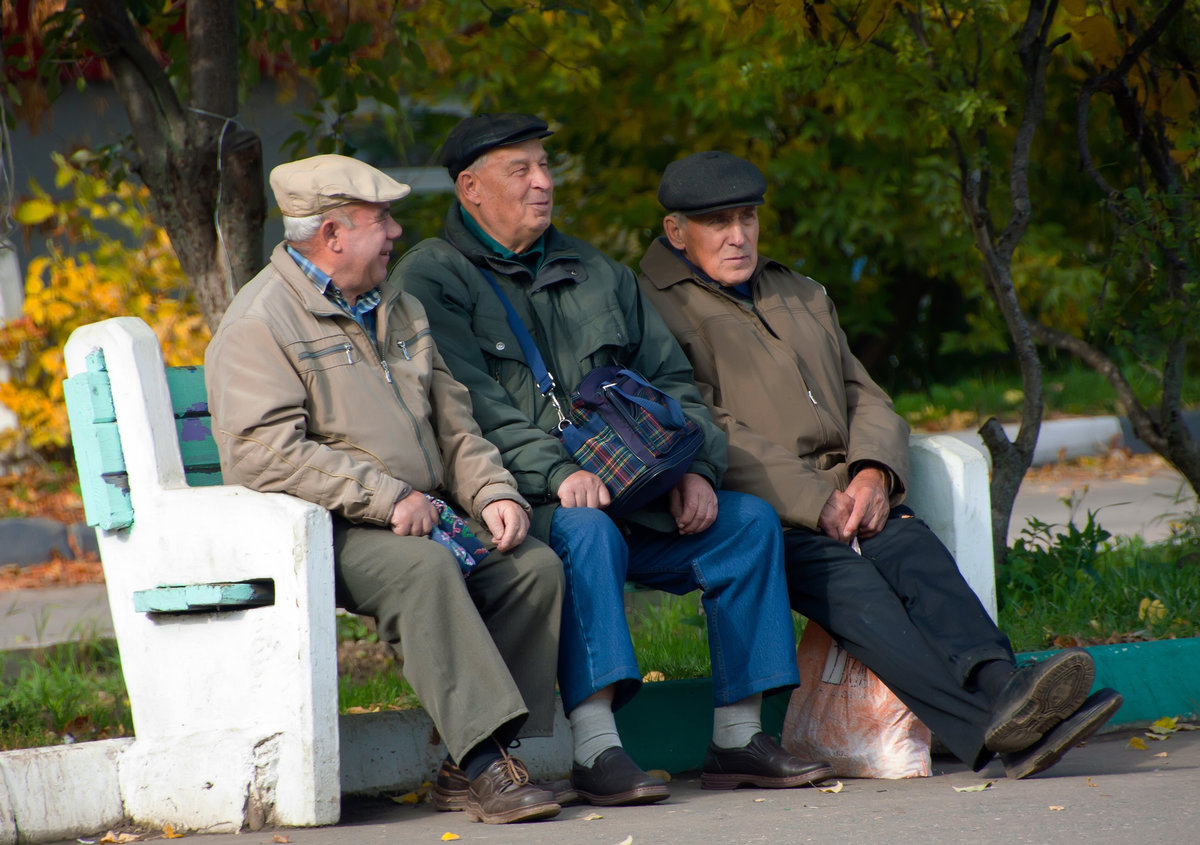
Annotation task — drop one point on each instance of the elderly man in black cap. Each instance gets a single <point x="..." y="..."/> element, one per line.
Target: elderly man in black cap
<point x="324" y="383"/>
<point x="811" y="433"/>
<point x="584" y="311"/>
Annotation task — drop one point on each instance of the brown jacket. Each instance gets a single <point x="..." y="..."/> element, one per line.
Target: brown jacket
<point x="798" y="408"/>
<point x="304" y="402"/>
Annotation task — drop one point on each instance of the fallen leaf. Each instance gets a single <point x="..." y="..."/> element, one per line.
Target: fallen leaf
<point x="759" y="800"/>
<point x="979" y="787"/>
<point x="628" y="840"/>
<point x="661" y="774"/>
<point x="169" y="832"/>
<point x="1057" y="808"/>
<point x="653" y="676"/>
<point x="407" y="798"/>
<point x="1165" y="725"/>
<point x="1137" y="742"/>
<point x="591" y="817"/>
<point x="281" y="839"/>
<point x="1091" y="782"/>
<point x="1157" y="737"/>
<point x="449" y="837"/>
<point x="1161" y="754"/>
<point x="836" y="788"/>
<point x="1185" y="726"/>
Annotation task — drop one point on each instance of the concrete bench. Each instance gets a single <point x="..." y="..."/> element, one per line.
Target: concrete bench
<point x="222" y="601"/>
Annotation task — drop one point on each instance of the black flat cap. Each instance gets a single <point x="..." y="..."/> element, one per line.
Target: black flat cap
<point x="711" y="181"/>
<point x="475" y="135"/>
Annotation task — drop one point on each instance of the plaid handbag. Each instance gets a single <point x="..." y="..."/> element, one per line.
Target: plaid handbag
<point x="632" y="435"/>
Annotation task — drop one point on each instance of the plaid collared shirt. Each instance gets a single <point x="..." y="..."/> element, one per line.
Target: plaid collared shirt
<point x="362" y="311"/>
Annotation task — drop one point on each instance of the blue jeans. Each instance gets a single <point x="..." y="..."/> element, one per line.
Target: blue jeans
<point x="737" y="562"/>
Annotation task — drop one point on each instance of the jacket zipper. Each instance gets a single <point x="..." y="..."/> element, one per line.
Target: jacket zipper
<point x="346" y="347"/>
<point x="403" y="344"/>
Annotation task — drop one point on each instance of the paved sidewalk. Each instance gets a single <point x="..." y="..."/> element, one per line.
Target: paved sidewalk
<point x="1103" y="792"/>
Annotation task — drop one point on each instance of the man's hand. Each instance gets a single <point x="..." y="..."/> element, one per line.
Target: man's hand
<point x="414" y="515"/>
<point x="835" y="516"/>
<point x="508" y="523"/>
<point x="693" y="504"/>
<point x="583" y="489"/>
<point x="868" y="489"/>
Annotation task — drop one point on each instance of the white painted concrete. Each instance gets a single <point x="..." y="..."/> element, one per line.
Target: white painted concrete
<point x="948" y="489"/>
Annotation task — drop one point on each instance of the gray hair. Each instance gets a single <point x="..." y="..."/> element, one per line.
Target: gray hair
<point x="301" y="230"/>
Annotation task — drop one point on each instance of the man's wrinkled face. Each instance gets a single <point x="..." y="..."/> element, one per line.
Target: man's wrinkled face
<point x="510" y="193"/>
<point x="724" y="244"/>
<point x="366" y="246"/>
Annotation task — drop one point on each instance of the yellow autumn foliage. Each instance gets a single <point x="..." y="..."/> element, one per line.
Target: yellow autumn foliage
<point x="125" y="269"/>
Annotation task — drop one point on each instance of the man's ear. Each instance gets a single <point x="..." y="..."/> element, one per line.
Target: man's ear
<point x="673" y="231"/>
<point x="468" y="188"/>
<point x="328" y="235"/>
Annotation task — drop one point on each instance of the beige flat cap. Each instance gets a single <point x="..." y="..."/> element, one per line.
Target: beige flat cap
<point x="315" y="185"/>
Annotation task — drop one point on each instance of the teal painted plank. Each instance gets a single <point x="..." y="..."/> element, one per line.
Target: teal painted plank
<point x="196" y="444"/>
<point x="104" y="485"/>
<point x="208" y="477"/>
<point x="188" y="394"/>
<point x="205" y="598"/>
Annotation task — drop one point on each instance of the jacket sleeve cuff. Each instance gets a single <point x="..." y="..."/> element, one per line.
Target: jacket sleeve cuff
<point x="559" y="474"/>
<point x="391" y="490"/>
<point x="497" y="493"/>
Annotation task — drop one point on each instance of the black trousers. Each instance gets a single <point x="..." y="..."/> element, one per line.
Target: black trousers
<point x="903" y="609"/>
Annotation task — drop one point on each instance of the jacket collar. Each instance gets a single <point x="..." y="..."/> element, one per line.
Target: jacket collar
<point x="316" y="302"/>
<point x="562" y="262"/>
<point x="664" y="267"/>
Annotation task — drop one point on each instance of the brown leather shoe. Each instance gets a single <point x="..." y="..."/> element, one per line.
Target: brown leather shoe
<point x="503" y="794"/>
<point x="614" y="779"/>
<point x="762" y="763"/>
<point x="451" y="786"/>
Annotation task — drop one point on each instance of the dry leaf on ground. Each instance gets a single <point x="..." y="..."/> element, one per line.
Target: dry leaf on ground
<point x="1056" y="808"/>
<point x="591" y="817"/>
<point x="449" y="837"/>
<point x="1137" y="742"/>
<point x="836" y="788"/>
<point x="979" y="787"/>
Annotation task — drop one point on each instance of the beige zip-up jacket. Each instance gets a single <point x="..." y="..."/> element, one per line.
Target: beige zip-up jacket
<point x="799" y="409"/>
<point x="304" y="402"/>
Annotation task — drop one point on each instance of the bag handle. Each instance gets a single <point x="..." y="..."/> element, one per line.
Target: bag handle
<point x="669" y="415"/>
<point x="533" y="357"/>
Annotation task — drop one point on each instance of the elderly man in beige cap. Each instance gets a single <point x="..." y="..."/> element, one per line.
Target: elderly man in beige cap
<point x="324" y="382"/>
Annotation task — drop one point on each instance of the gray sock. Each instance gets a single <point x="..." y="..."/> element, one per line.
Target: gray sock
<point x="594" y="730"/>
<point x="734" y="725"/>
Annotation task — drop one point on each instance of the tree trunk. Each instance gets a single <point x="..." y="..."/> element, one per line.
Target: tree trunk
<point x="204" y="171"/>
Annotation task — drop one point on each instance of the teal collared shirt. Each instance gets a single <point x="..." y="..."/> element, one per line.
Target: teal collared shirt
<point x="362" y="311"/>
<point x="531" y="259"/>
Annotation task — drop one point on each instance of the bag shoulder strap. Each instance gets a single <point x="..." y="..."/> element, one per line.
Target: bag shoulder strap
<point x="533" y="356"/>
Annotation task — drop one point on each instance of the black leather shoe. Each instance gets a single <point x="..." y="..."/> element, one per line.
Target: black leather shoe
<point x="1091" y="715"/>
<point x="451" y="787"/>
<point x="1038" y="697"/>
<point x="503" y="794"/>
<point x="615" y="779"/>
<point x="761" y="763"/>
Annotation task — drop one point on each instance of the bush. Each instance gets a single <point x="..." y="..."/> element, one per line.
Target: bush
<point x="106" y="258"/>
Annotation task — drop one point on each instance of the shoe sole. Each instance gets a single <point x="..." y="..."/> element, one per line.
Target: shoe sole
<point x="1058" y="693"/>
<point x="455" y="800"/>
<point x="517" y="814"/>
<point x="1067" y="735"/>
<point x="630" y="797"/>
<point x="712" y="780"/>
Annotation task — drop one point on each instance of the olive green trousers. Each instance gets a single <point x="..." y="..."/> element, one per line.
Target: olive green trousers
<point x="481" y="652"/>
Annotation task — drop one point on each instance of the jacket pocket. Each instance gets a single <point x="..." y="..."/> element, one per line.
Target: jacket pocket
<point x="324" y="354"/>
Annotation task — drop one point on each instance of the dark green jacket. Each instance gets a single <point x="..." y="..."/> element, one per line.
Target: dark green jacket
<point x="584" y="311"/>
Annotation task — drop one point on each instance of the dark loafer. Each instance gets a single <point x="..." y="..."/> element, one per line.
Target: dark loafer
<point x="1037" y="698"/>
<point x="1092" y="714"/>
<point x="451" y="787"/>
<point x="760" y="763"/>
<point x="503" y="794"/>
<point x="615" y="779"/>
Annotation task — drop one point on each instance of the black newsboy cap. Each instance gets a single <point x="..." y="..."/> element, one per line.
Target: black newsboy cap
<point x="711" y="181"/>
<point x="475" y="135"/>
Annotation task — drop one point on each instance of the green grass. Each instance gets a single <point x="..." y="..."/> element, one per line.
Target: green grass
<point x="1068" y="390"/>
<point x="70" y="692"/>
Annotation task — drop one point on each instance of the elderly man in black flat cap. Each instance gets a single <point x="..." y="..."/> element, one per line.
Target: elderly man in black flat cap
<point x="324" y="383"/>
<point x="811" y="433"/>
<point x="584" y="311"/>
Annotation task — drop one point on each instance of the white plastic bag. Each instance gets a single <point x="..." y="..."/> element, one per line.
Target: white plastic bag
<point x="843" y="714"/>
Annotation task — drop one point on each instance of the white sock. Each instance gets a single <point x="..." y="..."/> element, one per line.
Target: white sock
<point x="594" y="729"/>
<point x="734" y="725"/>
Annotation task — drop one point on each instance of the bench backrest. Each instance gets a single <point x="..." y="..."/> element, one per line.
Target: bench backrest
<point x="103" y="481"/>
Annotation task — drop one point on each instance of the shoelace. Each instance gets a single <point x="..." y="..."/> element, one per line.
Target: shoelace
<point x="518" y="775"/>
